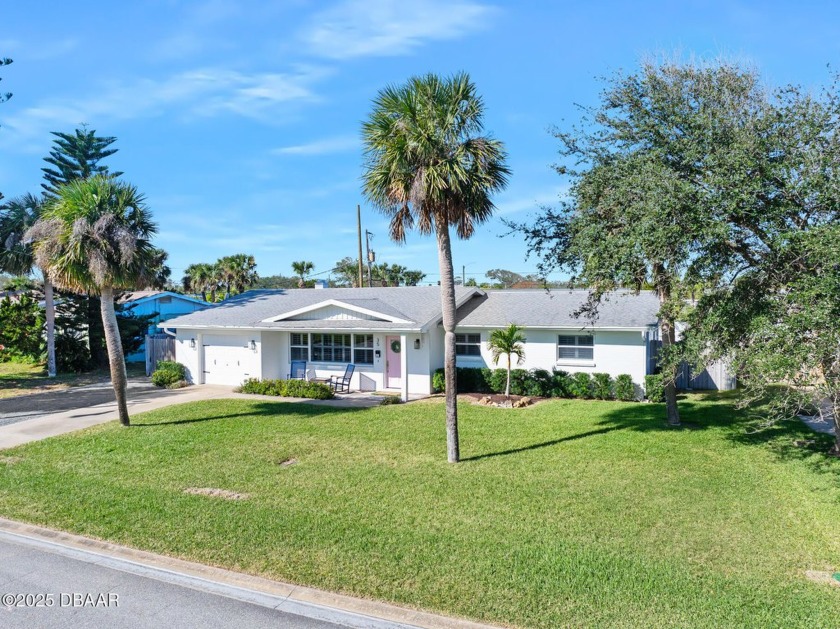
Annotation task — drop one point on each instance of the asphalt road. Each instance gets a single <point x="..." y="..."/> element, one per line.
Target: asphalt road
<point x="73" y="588"/>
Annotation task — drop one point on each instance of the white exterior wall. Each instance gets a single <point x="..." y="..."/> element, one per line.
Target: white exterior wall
<point x="436" y="337"/>
<point x="188" y="356"/>
<point x="419" y="372"/>
<point x="614" y="353"/>
<point x="274" y="355"/>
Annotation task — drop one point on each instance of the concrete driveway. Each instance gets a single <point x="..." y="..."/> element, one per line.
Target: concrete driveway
<point x="37" y="416"/>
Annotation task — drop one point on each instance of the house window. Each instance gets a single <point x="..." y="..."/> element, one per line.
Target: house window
<point x="575" y="347"/>
<point x="165" y="300"/>
<point x="299" y="346"/>
<point x="331" y="348"/>
<point x="468" y="344"/>
<point x="363" y="349"/>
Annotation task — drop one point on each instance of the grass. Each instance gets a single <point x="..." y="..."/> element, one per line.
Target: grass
<point x="567" y="513"/>
<point x="27" y="378"/>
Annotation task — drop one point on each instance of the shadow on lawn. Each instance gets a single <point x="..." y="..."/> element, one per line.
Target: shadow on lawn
<point x="256" y="410"/>
<point x="788" y="440"/>
<point x="545" y="444"/>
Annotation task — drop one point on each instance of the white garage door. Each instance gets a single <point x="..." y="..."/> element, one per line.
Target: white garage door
<point x="227" y="360"/>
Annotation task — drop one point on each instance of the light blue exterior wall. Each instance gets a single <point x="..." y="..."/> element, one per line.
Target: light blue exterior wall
<point x="177" y="305"/>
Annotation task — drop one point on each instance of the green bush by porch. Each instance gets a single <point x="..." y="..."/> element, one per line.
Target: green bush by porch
<point x="287" y="388"/>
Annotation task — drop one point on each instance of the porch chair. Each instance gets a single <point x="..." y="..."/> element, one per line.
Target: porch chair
<point x="341" y="384"/>
<point x="298" y="370"/>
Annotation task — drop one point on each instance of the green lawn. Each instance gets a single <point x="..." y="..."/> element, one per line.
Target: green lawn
<point x="567" y="513"/>
<point x="26" y="378"/>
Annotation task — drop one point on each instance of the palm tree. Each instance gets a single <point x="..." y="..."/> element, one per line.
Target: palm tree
<point x="16" y="257"/>
<point x="509" y="342"/>
<point x="427" y="165"/>
<point x="198" y="279"/>
<point x="95" y="236"/>
<point x="244" y="272"/>
<point x="302" y="269"/>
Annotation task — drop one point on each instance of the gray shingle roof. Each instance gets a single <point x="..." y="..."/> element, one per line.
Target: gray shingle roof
<point x="418" y="305"/>
<point x="555" y="309"/>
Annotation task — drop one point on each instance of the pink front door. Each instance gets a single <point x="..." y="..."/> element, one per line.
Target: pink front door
<point x="393" y="364"/>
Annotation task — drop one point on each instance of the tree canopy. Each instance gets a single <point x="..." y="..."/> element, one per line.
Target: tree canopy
<point x="76" y="156"/>
<point x="693" y="178"/>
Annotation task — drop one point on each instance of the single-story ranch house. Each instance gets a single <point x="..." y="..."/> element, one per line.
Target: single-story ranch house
<point x="394" y="337"/>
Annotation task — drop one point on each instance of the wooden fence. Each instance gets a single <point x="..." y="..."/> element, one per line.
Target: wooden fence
<point x="158" y="347"/>
<point x="715" y="377"/>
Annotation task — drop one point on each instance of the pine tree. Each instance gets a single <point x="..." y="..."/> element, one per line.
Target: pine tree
<point x="76" y="156"/>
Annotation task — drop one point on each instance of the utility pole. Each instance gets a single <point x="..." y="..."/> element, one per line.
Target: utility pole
<point x="371" y="257"/>
<point x="359" y="226"/>
<point x="463" y="275"/>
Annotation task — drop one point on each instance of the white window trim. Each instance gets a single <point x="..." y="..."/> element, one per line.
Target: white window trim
<point x="308" y="340"/>
<point x="371" y="349"/>
<point x="353" y="348"/>
<point x="574" y="362"/>
<point x="469" y="344"/>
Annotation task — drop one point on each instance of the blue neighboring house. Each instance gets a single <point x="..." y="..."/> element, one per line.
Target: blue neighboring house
<point x="163" y="304"/>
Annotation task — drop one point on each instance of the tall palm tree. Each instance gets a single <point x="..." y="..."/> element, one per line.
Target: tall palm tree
<point x="198" y="279"/>
<point x="427" y="165"/>
<point x="302" y="269"/>
<point x="16" y="216"/>
<point x="243" y="271"/>
<point x="95" y="236"/>
<point x="508" y="342"/>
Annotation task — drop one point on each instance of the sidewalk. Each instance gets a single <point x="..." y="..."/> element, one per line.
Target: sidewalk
<point x="315" y="604"/>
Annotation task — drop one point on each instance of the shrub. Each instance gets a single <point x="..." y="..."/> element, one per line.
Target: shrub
<point x="470" y="380"/>
<point x="561" y="383"/>
<point x="654" y="389"/>
<point x="168" y="373"/>
<point x="602" y="386"/>
<point x="538" y="383"/>
<point x="387" y="400"/>
<point x="287" y="388"/>
<point x="497" y="380"/>
<point x="311" y="390"/>
<point x="21" y="329"/>
<point x="438" y="381"/>
<point x="625" y="390"/>
<point x="581" y="385"/>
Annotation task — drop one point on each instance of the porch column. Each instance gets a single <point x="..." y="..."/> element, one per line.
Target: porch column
<point x="404" y="366"/>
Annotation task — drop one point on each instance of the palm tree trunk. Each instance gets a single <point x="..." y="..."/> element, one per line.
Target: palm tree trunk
<point x="668" y="333"/>
<point x="49" y="308"/>
<point x="115" y="353"/>
<point x="447" y="301"/>
<point x="507" y="384"/>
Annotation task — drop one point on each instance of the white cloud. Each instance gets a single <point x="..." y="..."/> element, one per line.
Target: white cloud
<point x="363" y="28"/>
<point x="202" y="92"/>
<point x="324" y="146"/>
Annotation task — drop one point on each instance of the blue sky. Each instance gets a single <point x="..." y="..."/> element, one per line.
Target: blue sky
<point x="240" y="120"/>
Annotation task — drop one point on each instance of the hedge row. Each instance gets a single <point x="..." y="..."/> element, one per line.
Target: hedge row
<point x="287" y="388"/>
<point x="540" y="383"/>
